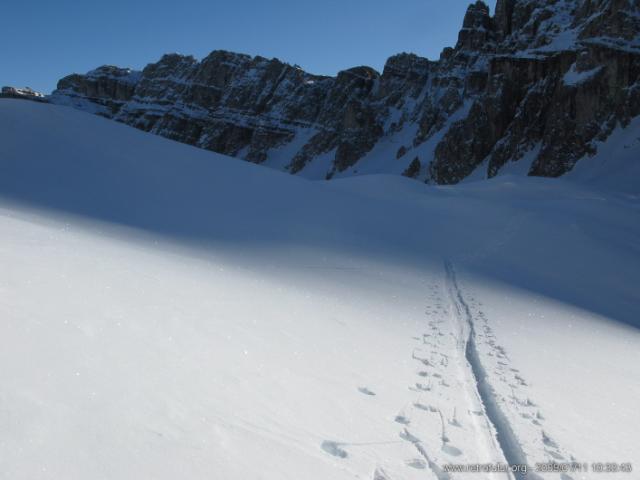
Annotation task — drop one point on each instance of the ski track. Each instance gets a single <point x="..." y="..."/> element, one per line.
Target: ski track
<point x="494" y="405"/>
<point x="505" y="439"/>
<point x="452" y="370"/>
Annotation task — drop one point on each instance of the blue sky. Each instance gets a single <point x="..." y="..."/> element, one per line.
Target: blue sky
<point x="42" y="41"/>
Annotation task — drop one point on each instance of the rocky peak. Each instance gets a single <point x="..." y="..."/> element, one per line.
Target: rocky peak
<point x="406" y="66"/>
<point x="477" y="28"/>
<point x="124" y="75"/>
<point x="503" y="16"/>
<point x="360" y="77"/>
<point x="477" y="16"/>
<point x="102" y="90"/>
<point x="24" y="93"/>
<point x="541" y="79"/>
<point x="404" y="72"/>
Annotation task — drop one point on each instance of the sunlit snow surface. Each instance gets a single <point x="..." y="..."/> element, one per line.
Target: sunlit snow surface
<point x="167" y="312"/>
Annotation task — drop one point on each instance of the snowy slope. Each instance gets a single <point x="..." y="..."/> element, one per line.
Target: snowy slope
<point x="166" y="312"/>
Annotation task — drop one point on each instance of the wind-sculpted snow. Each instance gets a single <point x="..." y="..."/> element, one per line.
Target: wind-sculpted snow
<point x="168" y="312"/>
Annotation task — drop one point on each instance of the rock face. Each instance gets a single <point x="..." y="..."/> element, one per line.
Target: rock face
<point x="540" y="82"/>
<point x="24" y="93"/>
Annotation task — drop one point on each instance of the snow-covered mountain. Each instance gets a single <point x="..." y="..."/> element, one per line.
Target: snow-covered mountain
<point x="168" y="312"/>
<point x="540" y="84"/>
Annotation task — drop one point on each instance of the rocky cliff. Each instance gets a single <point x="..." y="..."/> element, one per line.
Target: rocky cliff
<point x="538" y="83"/>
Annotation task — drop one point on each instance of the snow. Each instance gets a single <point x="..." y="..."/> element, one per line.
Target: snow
<point x="478" y="173"/>
<point x="382" y="157"/>
<point x="616" y="164"/>
<point x="574" y="77"/>
<point x="522" y="166"/>
<point x="558" y="27"/>
<point x="280" y="157"/>
<point x="318" y="167"/>
<point x="167" y="312"/>
<point x="377" y="161"/>
<point x="67" y="99"/>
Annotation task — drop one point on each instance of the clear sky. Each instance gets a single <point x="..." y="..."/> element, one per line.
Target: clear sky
<point x="44" y="40"/>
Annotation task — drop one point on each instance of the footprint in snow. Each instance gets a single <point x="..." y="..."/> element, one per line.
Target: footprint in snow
<point x="406" y="435"/>
<point x="366" y="391"/>
<point x="402" y="420"/>
<point x="520" y="380"/>
<point x="424" y="361"/>
<point x="417" y="463"/>
<point x="426" y="408"/>
<point x="451" y="450"/>
<point x="555" y="455"/>
<point x="380" y="474"/>
<point x="333" y="448"/>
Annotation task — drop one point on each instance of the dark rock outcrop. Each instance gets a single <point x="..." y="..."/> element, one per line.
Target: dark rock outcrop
<point x="541" y="79"/>
<point x="413" y="170"/>
<point x="24" y="93"/>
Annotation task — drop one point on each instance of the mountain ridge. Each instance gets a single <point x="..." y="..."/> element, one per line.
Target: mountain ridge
<point x="540" y="81"/>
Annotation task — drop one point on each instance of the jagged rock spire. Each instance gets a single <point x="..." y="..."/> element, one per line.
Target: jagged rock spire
<point x="477" y="28"/>
<point x="503" y="16"/>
